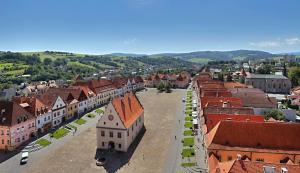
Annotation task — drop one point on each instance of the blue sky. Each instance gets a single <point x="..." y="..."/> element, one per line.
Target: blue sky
<point x="149" y="26"/>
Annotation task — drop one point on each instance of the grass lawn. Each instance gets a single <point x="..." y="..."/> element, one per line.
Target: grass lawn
<point x="80" y="121"/>
<point x="43" y="142"/>
<point x="188" y="141"/>
<point x="90" y="115"/>
<point x="188" y="124"/>
<point x="188" y="152"/>
<point x="59" y="133"/>
<point x="188" y="133"/>
<point x="189" y="164"/>
<point x="188" y="118"/>
<point x="99" y="111"/>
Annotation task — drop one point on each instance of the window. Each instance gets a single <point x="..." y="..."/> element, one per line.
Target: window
<point x="104" y="122"/>
<point x="39" y="122"/>
<point x="119" y="135"/>
<point x="103" y="144"/>
<point x="127" y="132"/>
<point x="45" y="119"/>
<point x="48" y="117"/>
<point x="32" y="124"/>
<point x="117" y="124"/>
<point x="18" y="140"/>
<point x="139" y="119"/>
<point x="7" y="132"/>
<point x="7" y="142"/>
<point x="23" y="138"/>
<point x="132" y="127"/>
<point x="111" y="134"/>
<point x="54" y="114"/>
<point x="2" y="141"/>
<point x="2" y="132"/>
<point x="136" y="123"/>
<point x="120" y="145"/>
<point x="260" y="160"/>
<point x="102" y="133"/>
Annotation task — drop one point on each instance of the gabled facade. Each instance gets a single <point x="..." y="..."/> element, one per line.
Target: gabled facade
<point x="41" y="112"/>
<point x="16" y="125"/>
<point x="121" y="123"/>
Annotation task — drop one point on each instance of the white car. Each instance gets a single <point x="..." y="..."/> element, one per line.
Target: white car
<point x="24" y="158"/>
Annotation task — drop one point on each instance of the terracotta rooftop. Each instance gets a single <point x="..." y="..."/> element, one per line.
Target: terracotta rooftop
<point x="97" y="86"/>
<point x="253" y="97"/>
<point x="221" y="110"/>
<point x="255" y="135"/>
<point x="219" y="101"/>
<point x="35" y="106"/>
<point x="11" y="112"/>
<point x="211" y="120"/>
<point x="216" y="93"/>
<point x="229" y="85"/>
<point x="128" y="108"/>
<point x="242" y="166"/>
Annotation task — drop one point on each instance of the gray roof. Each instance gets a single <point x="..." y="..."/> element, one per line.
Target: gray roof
<point x="266" y="76"/>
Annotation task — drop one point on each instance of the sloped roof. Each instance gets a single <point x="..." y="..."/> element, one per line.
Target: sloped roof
<point x="214" y="119"/>
<point x="128" y="108"/>
<point x="232" y="101"/>
<point x="97" y="86"/>
<point x="229" y="85"/>
<point x="255" y="135"/>
<point x="222" y="110"/>
<point x="11" y="112"/>
<point x="34" y="104"/>
<point x="240" y="166"/>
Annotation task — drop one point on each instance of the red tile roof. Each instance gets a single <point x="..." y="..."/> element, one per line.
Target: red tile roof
<point x="10" y="112"/>
<point x="218" y="101"/>
<point x="216" y="93"/>
<point x="235" y="111"/>
<point x="211" y="120"/>
<point x="255" y="135"/>
<point x="35" y="106"/>
<point x="97" y="86"/>
<point x="229" y="85"/>
<point x="128" y="108"/>
<point x="240" y="166"/>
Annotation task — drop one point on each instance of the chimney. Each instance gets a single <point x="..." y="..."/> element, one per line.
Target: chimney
<point x="284" y="170"/>
<point x="238" y="157"/>
<point x="225" y="105"/>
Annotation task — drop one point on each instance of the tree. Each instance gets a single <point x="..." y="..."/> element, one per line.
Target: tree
<point x="161" y="87"/>
<point x="168" y="88"/>
<point x="294" y="75"/>
<point x="265" y="69"/>
<point x="274" y="113"/>
<point x="47" y="61"/>
<point x="221" y="76"/>
<point x="284" y="70"/>
<point x="229" y="78"/>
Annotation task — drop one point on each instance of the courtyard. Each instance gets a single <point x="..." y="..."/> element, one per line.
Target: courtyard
<point x="148" y="154"/>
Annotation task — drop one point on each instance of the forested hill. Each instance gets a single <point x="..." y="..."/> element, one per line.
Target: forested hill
<point x="50" y="65"/>
<point x="202" y="56"/>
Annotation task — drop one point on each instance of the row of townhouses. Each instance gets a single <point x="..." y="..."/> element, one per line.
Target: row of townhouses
<point x="23" y="117"/>
<point x="237" y="136"/>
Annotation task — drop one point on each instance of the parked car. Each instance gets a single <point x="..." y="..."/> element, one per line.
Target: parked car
<point x="24" y="158"/>
<point x="100" y="161"/>
<point x="183" y="99"/>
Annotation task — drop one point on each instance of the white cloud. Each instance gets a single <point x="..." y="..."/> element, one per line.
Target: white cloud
<point x="276" y="43"/>
<point x="292" y="41"/>
<point x="130" y="41"/>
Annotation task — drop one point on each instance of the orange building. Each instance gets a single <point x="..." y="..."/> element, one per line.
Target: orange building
<point x="256" y="141"/>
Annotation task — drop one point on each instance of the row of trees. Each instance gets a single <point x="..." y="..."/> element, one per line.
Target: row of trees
<point x="164" y="87"/>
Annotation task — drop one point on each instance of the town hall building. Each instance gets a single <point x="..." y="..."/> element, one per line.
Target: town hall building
<point x="121" y="123"/>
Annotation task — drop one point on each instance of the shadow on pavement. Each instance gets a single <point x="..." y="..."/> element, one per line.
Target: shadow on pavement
<point x="114" y="159"/>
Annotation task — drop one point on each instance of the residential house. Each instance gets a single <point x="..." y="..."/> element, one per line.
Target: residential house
<point x="56" y="104"/>
<point x="43" y="115"/>
<point x="16" y="125"/>
<point x="246" y="166"/>
<point x="121" y="123"/>
<point x="269" y="142"/>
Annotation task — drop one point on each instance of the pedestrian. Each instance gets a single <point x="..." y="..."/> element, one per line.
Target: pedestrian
<point x="175" y="137"/>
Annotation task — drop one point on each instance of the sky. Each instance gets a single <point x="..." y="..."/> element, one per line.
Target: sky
<point x="149" y="26"/>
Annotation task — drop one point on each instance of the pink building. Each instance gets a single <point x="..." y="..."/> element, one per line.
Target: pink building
<point x="16" y="125"/>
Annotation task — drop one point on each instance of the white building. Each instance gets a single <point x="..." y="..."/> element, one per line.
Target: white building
<point x="121" y="123"/>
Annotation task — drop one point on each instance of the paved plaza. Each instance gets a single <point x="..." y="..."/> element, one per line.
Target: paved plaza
<point x="148" y="154"/>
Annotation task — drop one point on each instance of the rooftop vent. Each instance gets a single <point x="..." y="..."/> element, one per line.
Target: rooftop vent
<point x="269" y="169"/>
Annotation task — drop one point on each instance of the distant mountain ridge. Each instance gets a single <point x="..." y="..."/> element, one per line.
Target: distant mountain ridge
<point x="220" y="55"/>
